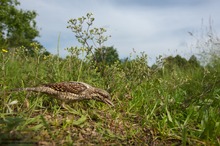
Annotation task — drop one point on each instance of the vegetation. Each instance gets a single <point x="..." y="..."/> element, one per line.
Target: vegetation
<point x="176" y="103"/>
<point x="17" y="27"/>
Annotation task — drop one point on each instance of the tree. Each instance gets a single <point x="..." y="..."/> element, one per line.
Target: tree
<point x="106" y="55"/>
<point x="176" y="61"/>
<point x="180" y="62"/>
<point x="193" y="62"/>
<point x="17" y="27"/>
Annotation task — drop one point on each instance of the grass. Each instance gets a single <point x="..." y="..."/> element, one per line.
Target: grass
<point x="178" y="106"/>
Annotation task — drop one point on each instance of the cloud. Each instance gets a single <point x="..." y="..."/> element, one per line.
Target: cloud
<point x="159" y="3"/>
<point x="155" y="27"/>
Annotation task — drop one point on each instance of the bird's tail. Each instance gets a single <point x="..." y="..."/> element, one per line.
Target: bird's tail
<point x="16" y="90"/>
<point x="34" y="89"/>
<point x="41" y="89"/>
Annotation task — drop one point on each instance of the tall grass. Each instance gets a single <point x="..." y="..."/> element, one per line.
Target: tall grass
<point x="155" y="107"/>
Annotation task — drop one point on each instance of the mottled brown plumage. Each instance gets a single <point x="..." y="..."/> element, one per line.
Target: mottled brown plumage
<point x="71" y="91"/>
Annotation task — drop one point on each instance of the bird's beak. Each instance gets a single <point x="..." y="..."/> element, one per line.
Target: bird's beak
<point x="107" y="101"/>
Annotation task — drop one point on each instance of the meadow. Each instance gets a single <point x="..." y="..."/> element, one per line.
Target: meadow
<point x="161" y="105"/>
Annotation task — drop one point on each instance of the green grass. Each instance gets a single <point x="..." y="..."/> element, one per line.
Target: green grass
<point x="153" y="107"/>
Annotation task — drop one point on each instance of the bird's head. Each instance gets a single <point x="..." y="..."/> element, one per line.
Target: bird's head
<point x="102" y="96"/>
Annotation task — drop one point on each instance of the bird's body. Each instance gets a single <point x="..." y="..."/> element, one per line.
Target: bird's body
<point x="71" y="91"/>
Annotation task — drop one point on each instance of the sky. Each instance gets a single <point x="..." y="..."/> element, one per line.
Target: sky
<point x="156" y="27"/>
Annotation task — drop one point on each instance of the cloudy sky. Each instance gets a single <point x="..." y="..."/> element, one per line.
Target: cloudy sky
<point x="156" y="27"/>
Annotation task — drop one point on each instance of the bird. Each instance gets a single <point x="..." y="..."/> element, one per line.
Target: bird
<point x="71" y="91"/>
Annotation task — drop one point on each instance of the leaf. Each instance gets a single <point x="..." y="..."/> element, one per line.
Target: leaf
<point x="80" y="121"/>
<point x="37" y="127"/>
<point x="169" y="116"/>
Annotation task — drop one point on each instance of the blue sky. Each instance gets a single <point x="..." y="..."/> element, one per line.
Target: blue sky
<point x="156" y="27"/>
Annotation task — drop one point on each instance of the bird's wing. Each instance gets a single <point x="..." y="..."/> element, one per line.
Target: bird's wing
<point x="72" y="87"/>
